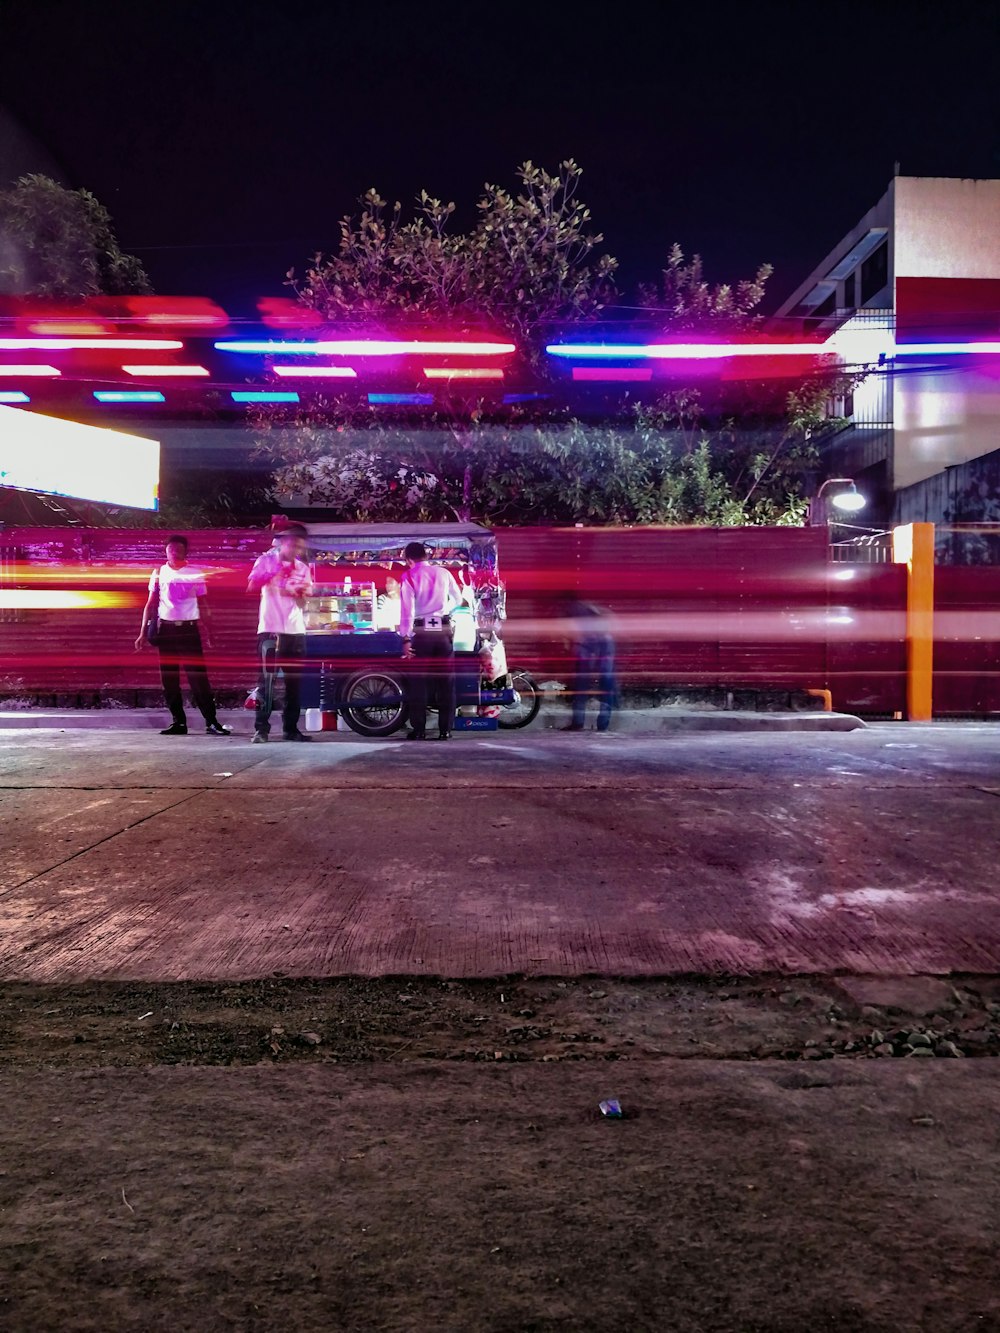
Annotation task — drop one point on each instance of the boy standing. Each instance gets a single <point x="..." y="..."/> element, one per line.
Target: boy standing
<point x="177" y="596"/>
<point x="282" y="578"/>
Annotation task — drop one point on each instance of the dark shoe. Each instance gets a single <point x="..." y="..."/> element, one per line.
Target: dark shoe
<point x="416" y="735"/>
<point x="294" y="736"/>
<point x="175" y="729"/>
<point x="444" y="736"/>
<point x="258" y="738"/>
<point x="217" y="729"/>
<point x="572" y="726"/>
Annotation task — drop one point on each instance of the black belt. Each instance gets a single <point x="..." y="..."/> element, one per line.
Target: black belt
<point x="178" y="622"/>
<point x="420" y="621"/>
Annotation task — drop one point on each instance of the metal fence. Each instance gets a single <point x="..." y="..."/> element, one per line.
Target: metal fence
<point x="850" y="544"/>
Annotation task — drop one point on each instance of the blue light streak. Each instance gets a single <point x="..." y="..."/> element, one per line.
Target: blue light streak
<point x="263" y="396"/>
<point x="410" y="399"/>
<point x="129" y="396"/>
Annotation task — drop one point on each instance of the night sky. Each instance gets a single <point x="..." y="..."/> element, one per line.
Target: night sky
<point x="227" y="139"/>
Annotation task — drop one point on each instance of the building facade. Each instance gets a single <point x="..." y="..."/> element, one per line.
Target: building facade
<point x="914" y="292"/>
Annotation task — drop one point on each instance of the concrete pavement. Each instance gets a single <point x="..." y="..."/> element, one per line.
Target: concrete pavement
<point x="127" y="855"/>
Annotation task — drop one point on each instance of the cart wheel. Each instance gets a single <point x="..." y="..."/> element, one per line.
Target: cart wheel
<point x="527" y="701"/>
<point x="373" y="703"/>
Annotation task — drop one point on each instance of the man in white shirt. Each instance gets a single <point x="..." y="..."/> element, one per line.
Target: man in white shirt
<point x="282" y="578"/>
<point x="428" y="594"/>
<point x="177" y="598"/>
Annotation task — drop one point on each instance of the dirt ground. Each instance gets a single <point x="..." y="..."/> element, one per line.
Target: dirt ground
<point x="351" y="1020"/>
<point x="413" y="1154"/>
<point x="810" y="1143"/>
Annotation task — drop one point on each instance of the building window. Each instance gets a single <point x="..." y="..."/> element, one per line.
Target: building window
<point x="814" y="319"/>
<point x="874" y="273"/>
<point x="851" y="291"/>
<point x="840" y="406"/>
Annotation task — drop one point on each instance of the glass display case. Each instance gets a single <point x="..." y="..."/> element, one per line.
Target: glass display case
<point x="341" y="608"/>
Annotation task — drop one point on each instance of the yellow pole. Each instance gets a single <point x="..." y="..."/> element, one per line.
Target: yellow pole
<point x="913" y="546"/>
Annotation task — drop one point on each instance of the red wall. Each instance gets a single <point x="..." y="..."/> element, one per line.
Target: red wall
<point x="736" y="607"/>
<point x="946" y="309"/>
<point x="966" y="640"/>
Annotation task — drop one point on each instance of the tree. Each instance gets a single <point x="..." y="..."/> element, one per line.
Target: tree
<point x="527" y="265"/>
<point x="685" y="301"/>
<point x="529" y="268"/>
<point x="60" y="243"/>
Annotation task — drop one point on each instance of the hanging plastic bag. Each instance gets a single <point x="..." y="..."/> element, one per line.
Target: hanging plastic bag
<point x="493" y="658"/>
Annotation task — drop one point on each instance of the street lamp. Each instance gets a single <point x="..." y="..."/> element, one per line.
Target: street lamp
<point x="848" y="500"/>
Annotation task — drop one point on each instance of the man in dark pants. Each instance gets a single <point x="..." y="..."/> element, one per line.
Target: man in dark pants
<point x="428" y="594"/>
<point x="177" y="596"/>
<point x="282" y="578"/>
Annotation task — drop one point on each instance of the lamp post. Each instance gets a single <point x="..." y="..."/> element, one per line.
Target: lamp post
<point x="848" y="501"/>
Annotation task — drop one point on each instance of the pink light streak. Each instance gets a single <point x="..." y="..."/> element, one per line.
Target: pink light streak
<point x="317" y="372"/>
<point x="415" y="348"/>
<point x="363" y="347"/>
<point x="681" y="351"/>
<point x="634" y="373"/>
<point x="158" y="372"/>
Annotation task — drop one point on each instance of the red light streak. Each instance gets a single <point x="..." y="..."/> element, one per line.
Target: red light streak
<point x="281" y="312"/>
<point x="196" y="312"/>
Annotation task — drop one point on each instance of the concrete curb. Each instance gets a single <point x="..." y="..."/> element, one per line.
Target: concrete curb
<point x="112" y="719"/>
<point x="626" y="721"/>
<point x="656" y="721"/>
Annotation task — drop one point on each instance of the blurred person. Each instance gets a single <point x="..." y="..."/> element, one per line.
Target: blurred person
<point x="593" y="663"/>
<point x="428" y="595"/>
<point x="178" y="598"/>
<point x="282" y="578"/>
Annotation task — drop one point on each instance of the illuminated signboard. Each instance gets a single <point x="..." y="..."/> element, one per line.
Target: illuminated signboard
<point x="40" y="453"/>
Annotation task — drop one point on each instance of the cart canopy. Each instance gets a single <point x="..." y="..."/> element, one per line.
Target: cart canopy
<point x="322" y="533"/>
<point x="379" y="543"/>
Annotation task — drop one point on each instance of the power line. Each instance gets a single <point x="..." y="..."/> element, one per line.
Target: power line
<point x="224" y="245"/>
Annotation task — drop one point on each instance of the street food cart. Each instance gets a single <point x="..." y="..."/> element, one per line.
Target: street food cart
<point x="354" y="654"/>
